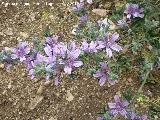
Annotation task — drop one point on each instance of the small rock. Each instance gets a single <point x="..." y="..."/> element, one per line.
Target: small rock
<point x="69" y="96"/>
<point x="53" y="118"/>
<point x="35" y="102"/>
<point x="40" y="90"/>
<point x="100" y="12"/>
<point x="23" y="74"/>
<point x="36" y="80"/>
<point x="32" y="16"/>
<point x="24" y="35"/>
<point x="9" y="86"/>
<point x="130" y="79"/>
<point x="47" y="83"/>
<point x="38" y="119"/>
<point x="3" y="42"/>
<point x="9" y="31"/>
<point x="1" y="66"/>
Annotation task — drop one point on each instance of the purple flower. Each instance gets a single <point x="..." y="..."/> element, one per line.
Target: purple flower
<point x="133" y="10"/>
<point x="136" y="117"/>
<point x="56" y="72"/>
<point x="103" y="75"/>
<point x="33" y="60"/>
<point x="51" y="41"/>
<point x="119" y="107"/>
<point x="59" y="50"/>
<point x="100" y="118"/>
<point x="78" y="6"/>
<point x="109" y="44"/>
<point x="31" y="73"/>
<point x="20" y="52"/>
<point x="29" y="60"/>
<point x="71" y="60"/>
<point x="89" y="47"/>
<point x="122" y="23"/>
<point x="83" y="18"/>
<point x="50" y="55"/>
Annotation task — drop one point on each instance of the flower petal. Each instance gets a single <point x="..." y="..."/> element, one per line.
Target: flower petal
<point x="116" y="47"/>
<point x="67" y="69"/>
<point x="57" y="81"/>
<point x="114" y="37"/>
<point x="48" y="50"/>
<point x="112" y="105"/>
<point x="109" y="52"/>
<point x="77" y="63"/>
<point x="116" y="98"/>
<point x="102" y="81"/>
<point x="98" y="74"/>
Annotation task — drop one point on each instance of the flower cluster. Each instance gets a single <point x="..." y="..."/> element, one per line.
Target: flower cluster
<point x="131" y="11"/>
<point x="57" y="57"/>
<point x="120" y="107"/>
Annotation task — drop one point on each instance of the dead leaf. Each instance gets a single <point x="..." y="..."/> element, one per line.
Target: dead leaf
<point x="35" y="102"/>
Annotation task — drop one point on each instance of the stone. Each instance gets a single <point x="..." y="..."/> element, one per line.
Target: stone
<point x="37" y="100"/>
<point x="9" y="31"/>
<point x="69" y="96"/>
<point x="100" y="12"/>
<point x="40" y="90"/>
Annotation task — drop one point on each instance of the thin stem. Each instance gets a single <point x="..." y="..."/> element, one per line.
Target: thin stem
<point x="143" y="83"/>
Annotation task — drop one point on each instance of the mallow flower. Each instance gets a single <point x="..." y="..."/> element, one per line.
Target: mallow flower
<point x="136" y="117"/>
<point x="119" y="107"/>
<point x="103" y="74"/>
<point x="78" y="6"/>
<point x="51" y="41"/>
<point x="29" y="60"/>
<point x="60" y="50"/>
<point x="71" y="59"/>
<point x="21" y="51"/>
<point x="50" y="55"/>
<point x="83" y="18"/>
<point x="89" y="47"/>
<point x="109" y="44"/>
<point x="133" y="10"/>
<point x="122" y="23"/>
<point x="101" y="118"/>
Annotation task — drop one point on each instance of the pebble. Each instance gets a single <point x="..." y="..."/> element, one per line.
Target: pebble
<point x="69" y="96"/>
<point x="1" y="66"/>
<point x="9" y="31"/>
<point x="40" y="90"/>
<point x="100" y="12"/>
<point x="9" y="86"/>
<point x="4" y="42"/>
<point x="37" y="100"/>
<point x="53" y="118"/>
<point x="47" y="83"/>
<point x="130" y="79"/>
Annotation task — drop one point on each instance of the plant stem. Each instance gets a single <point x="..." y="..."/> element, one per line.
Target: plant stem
<point x="143" y="83"/>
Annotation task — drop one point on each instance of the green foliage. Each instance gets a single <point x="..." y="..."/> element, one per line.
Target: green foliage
<point x="39" y="69"/>
<point x="38" y="45"/>
<point x="127" y="94"/>
<point x="47" y="32"/>
<point x="154" y="107"/>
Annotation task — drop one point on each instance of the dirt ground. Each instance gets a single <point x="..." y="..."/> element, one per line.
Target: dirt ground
<point x="24" y="99"/>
